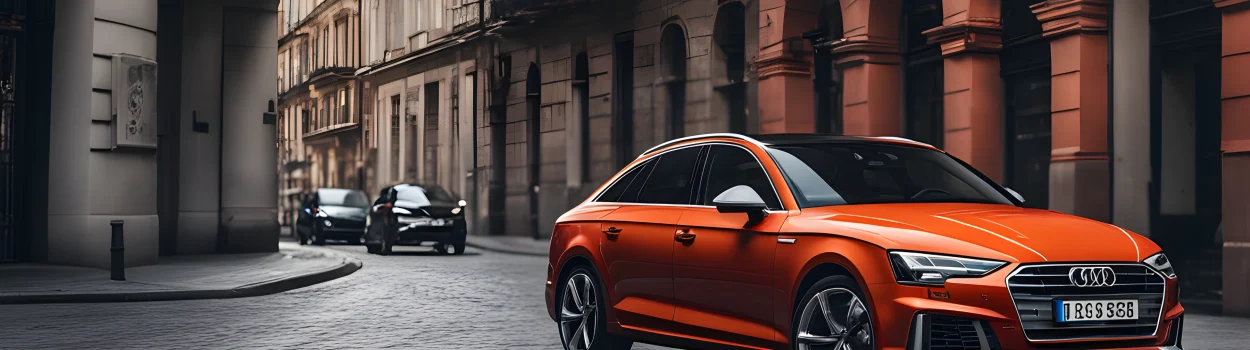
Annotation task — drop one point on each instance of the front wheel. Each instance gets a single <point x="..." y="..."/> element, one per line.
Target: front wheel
<point x="832" y="314"/>
<point x="582" y="310"/>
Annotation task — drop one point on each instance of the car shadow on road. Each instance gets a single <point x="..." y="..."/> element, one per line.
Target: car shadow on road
<point x="430" y="252"/>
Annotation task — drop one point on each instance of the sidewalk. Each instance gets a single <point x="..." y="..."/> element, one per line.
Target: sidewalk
<point x="510" y="244"/>
<point x="177" y="277"/>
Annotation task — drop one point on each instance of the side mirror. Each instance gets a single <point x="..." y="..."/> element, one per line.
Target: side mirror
<point x="1015" y="194"/>
<point x="742" y="199"/>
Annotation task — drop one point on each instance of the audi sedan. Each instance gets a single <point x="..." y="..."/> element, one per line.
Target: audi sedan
<point x="838" y="242"/>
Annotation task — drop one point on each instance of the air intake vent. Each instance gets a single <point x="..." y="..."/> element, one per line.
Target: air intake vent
<point x="940" y="332"/>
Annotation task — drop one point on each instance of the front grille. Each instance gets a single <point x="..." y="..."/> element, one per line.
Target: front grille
<point x="1035" y="287"/>
<point x="340" y="223"/>
<point x="941" y="332"/>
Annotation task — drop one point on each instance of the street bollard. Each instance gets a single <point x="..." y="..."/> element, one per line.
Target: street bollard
<point x="118" y="267"/>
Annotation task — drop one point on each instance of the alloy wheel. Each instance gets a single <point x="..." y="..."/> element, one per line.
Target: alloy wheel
<point x="836" y="319"/>
<point x="578" y="312"/>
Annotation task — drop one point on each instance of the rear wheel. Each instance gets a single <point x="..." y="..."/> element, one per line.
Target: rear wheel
<point x="582" y="310"/>
<point x="832" y="314"/>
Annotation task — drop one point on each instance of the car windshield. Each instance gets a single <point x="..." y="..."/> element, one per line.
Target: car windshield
<point x="824" y="174"/>
<point x="422" y="195"/>
<point x="343" y="198"/>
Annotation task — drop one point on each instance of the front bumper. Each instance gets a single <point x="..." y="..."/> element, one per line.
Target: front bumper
<point x="985" y="305"/>
<point x="409" y="234"/>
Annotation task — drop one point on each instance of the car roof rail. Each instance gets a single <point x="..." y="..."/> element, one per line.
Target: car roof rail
<point x="903" y="139"/>
<point x="697" y="137"/>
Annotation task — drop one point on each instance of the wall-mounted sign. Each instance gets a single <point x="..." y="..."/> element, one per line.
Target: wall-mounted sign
<point x="134" y="101"/>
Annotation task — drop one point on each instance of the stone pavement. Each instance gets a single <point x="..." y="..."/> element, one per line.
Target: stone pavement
<point x="177" y="277"/>
<point x="510" y="244"/>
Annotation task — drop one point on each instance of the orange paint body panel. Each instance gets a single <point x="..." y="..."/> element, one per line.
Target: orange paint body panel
<point x="694" y="273"/>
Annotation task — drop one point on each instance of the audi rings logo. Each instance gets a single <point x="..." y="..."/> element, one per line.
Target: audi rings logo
<point x="1092" y="276"/>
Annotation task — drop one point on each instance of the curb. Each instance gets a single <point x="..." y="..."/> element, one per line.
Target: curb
<point x="349" y="266"/>
<point x="496" y="249"/>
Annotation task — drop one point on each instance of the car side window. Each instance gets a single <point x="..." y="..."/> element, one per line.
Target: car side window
<point x="613" y="193"/>
<point x="729" y="166"/>
<point x="672" y="179"/>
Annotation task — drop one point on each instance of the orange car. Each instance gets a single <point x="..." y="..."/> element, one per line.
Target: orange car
<point x="838" y="242"/>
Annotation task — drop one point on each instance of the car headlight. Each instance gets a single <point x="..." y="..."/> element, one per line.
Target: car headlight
<point x="933" y="269"/>
<point x="328" y="224"/>
<point x="455" y="211"/>
<point x="1160" y="263"/>
<point x="401" y="211"/>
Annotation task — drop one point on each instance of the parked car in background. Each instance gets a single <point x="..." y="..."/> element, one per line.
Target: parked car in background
<point x="332" y="213"/>
<point x="414" y="214"/>
<point x="844" y="242"/>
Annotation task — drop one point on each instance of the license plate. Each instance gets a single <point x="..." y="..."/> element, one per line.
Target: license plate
<point x="1095" y="310"/>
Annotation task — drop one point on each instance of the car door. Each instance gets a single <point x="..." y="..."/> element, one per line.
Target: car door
<point x="637" y="240"/>
<point x="722" y="277"/>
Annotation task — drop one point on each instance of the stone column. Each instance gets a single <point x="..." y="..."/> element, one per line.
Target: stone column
<point x="1080" y="169"/>
<point x="868" y="59"/>
<point x="784" y="68"/>
<point x="1130" y="81"/>
<point x="1235" y="122"/>
<point x="70" y="240"/>
<point x="970" y="37"/>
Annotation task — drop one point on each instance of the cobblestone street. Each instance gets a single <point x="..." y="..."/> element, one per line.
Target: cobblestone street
<point x="414" y="299"/>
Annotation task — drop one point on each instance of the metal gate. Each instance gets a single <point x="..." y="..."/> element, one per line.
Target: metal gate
<point x="11" y="30"/>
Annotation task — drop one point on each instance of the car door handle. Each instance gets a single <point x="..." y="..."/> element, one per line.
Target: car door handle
<point x="684" y="236"/>
<point x="612" y="232"/>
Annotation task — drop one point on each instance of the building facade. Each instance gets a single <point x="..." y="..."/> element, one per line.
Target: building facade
<point x="1127" y="112"/>
<point x="319" y="133"/>
<point x="90" y="133"/>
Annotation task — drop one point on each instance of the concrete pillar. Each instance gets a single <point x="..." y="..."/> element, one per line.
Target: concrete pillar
<point x="249" y="208"/>
<point x="68" y="150"/>
<point x="1130" y="81"/>
<point x="1079" y="170"/>
<point x="1235" y="122"/>
<point x="970" y="37"/>
<point x="868" y="58"/>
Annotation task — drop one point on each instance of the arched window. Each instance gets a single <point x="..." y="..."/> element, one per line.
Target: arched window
<point x="533" y="120"/>
<point x="581" y="90"/>
<point x="673" y="76"/>
<point x="923" y="84"/>
<point x="1026" y="80"/>
<point x="729" y="35"/>
<point x="825" y="78"/>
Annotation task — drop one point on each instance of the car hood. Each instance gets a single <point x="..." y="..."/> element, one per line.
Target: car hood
<point x="338" y="212"/>
<point x="1000" y="232"/>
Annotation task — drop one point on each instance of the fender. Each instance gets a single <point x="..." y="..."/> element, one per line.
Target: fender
<point x="867" y="263"/>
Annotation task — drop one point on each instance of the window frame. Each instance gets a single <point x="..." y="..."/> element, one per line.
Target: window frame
<point x="700" y="176"/>
<point x="705" y="173"/>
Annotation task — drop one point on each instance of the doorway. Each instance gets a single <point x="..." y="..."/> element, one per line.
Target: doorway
<point x="9" y="51"/>
<point x="533" y="105"/>
<point x="1025" y="70"/>
<point x="1185" y="143"/>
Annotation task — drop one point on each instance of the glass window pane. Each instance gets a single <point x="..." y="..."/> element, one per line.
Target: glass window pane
<point x="730" y="166"/>
<point x="672" y="179"/>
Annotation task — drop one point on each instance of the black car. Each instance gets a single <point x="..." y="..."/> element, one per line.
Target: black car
<point x="332" y="213"/>
<point x="410" y="214"/>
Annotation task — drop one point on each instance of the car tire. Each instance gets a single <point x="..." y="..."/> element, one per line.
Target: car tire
<point x="570" y="321"/>
<point x="842" y="301"/>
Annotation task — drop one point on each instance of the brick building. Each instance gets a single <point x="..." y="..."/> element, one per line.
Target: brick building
<point x="1129" y="112"/>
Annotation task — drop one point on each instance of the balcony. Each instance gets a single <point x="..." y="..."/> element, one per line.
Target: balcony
<point x="529" y="9"/>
